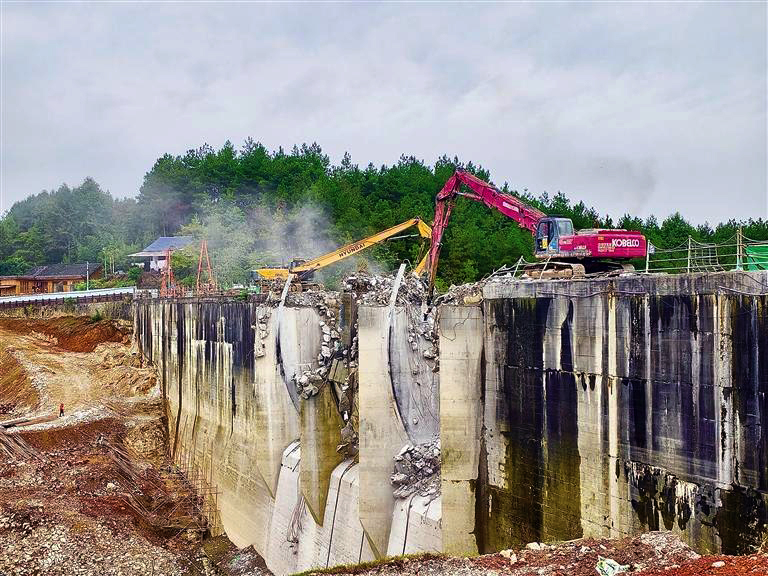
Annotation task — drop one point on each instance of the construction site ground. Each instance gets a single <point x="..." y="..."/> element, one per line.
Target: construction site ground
<point x="93" y="492"/>
<point x="650" y="554"/>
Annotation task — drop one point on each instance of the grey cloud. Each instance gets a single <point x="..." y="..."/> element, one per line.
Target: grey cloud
<point x="632" y="108"/>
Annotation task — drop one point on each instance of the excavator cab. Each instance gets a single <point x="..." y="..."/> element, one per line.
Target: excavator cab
<point x="548" y="233"/>
<point x="305" y="275"/>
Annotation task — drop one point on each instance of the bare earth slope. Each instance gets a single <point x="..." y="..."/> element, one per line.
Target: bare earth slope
<point x="86" y="493"/>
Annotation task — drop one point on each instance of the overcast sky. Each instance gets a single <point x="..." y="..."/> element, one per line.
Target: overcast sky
<point x="641" y="108"/>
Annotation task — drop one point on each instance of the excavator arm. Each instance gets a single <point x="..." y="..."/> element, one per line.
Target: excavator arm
<point x="350" y="249"/>
<point x="526" y="216"/>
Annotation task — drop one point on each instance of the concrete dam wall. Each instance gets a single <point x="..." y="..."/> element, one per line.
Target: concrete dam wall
<point x="247" y="414"/>
<point x="555" y="410"/>
<point x="604" y="408"/>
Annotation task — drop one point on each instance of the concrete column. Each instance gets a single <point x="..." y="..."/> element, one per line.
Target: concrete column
<point x="320" y="426"/>
<point x="277" y="421"/>
<point x="281" y="554"/>
<point x="381" y="432"/>
<point x="724" y="414"/>
<point x="461" y="422"/>
<point x="613" y="416"/>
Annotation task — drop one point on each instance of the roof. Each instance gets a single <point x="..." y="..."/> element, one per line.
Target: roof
<point x="163" y="243"/>
<point x="56" y="271"/>
<point x="62" y="271"/>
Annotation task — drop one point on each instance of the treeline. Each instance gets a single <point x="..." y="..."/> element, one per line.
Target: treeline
<point x="252" y="205"/>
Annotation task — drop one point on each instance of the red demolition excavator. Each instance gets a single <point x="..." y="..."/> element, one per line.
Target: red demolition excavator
<point x="564" y="252"/>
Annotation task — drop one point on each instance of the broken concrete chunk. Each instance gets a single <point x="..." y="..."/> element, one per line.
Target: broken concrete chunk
<point x="399" y="478"/>
<point x="510" y="555"/>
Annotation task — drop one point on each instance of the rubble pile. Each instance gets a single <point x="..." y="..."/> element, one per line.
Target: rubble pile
<point x="335" y="361"/>
<point x="473" y="293"/>
<point x="320" y="299"/>
<point x="39" y="539"/>
<point x="69" y="508"/>
<point x="349" y="440"/>
<point x="423" y="336"/>
<point x="463" y="294"/>
<point x="377" y="290"/>
<point x="417" y="469"/>
<point x="651" y="554"/>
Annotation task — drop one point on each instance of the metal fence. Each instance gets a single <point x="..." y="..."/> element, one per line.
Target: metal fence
<point x="736" y="253"/>
<point x="76" y="297"/>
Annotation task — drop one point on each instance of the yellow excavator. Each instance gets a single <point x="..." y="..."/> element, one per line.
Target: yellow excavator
<point x="302" y="270"/>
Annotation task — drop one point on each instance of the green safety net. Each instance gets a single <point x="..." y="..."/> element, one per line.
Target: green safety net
<point x="756" y="257"/>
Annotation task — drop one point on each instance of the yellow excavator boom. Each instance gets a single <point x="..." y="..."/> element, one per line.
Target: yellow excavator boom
<point x="350" y="249"/>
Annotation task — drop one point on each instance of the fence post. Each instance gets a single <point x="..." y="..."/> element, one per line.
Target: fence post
<point x="689" y="254"/>
<point x="647" y="257"/>
<point x="739" y="249"/>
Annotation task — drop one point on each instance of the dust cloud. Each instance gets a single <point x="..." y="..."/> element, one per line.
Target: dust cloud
<point x="242" y="238"/>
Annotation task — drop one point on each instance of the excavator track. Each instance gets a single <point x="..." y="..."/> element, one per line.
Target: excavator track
<point x="555" y="270"/>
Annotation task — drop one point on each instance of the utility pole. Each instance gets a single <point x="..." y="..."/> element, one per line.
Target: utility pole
<point x="739" y="249"/>
<point x="87" y="275"/>
<point x="689" y="254"/>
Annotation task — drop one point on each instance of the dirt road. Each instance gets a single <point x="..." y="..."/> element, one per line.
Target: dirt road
<point x="58" y="375"/>
<point x="79" y="380"/>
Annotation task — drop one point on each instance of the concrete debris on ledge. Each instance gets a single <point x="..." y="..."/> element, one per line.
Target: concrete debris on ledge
<point x="323" y="300"/>
<point x="464" y="294"/>
<point x="335" y="361"/>
<point x="377" y="290"/>
<point x="472" y="293"/>
<point x="262" y="331"/>
<point x="417" y="469"/>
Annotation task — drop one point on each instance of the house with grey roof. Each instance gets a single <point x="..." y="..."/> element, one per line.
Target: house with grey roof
<point x="49" y="278"/>
<point x="153" y="256"/>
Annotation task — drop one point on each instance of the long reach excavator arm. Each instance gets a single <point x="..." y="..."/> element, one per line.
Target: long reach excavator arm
<point x="526" y="216"/>
<point x="304" y="270"/>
